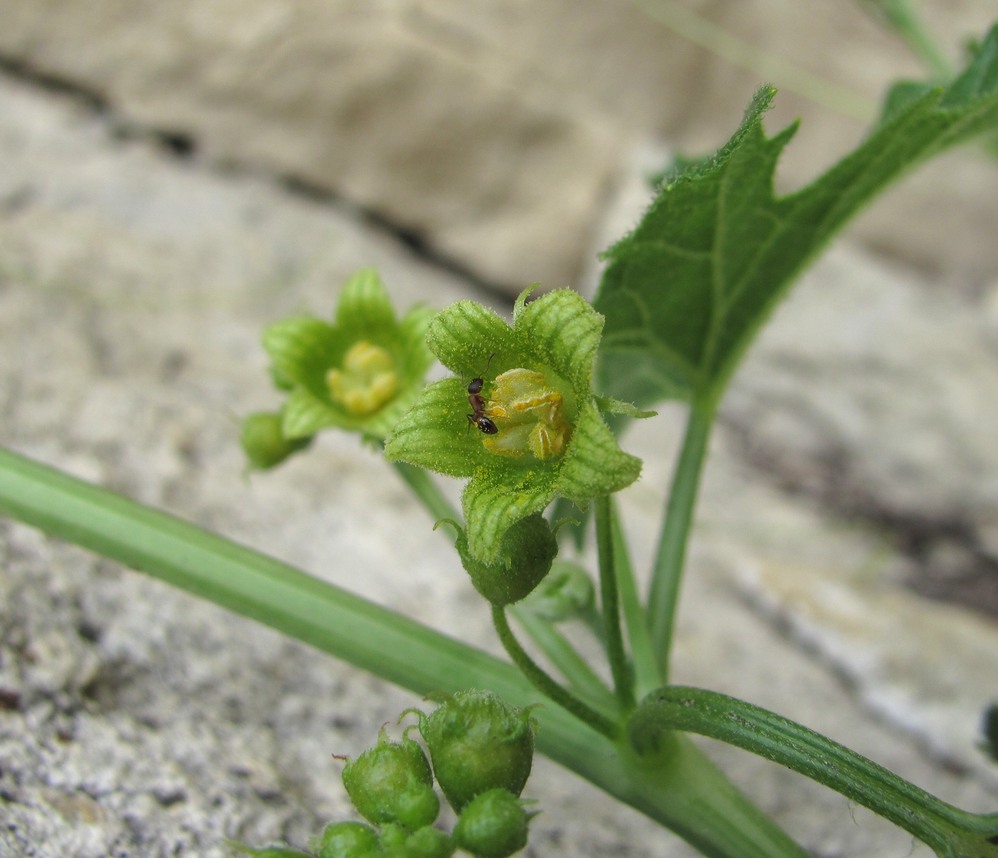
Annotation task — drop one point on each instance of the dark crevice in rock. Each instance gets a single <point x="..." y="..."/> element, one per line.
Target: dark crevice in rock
<point x="952" y="565"/>
<point x="19" y="69"/>
<point x="184" y="144"/>
<point x="405" y="234"/>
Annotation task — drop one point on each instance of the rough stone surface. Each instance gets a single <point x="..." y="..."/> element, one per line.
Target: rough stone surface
<point x="137" y="721"/>
<point x="492" y="130"/>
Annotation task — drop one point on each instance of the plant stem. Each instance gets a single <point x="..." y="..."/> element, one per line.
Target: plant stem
<point x="581" y="678"/>
<point x="646" y="678"/>
<point x="426" y="489"/>
<point x="668" y="568"/>
<point x="764" y="65"/>
<point x="947" y="829"/>
<point x="543" y="682"/>
<point x="686" y="793"/>
<point x="905" y="20"/>
<point x="623" y="677"/>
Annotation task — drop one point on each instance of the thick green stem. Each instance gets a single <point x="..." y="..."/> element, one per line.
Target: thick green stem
<point x="686" y="793"/>
<point x="671" y="555"/>
<point x="947" y="829"/>
<point x="620" y="669"/>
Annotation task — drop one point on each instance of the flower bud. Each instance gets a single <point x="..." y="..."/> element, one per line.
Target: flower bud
<point x="527" y="550"/>
<point x="493" y="825"/>
<point x="392" y="782"/>
<point x="264" y="443"/>
<point x="348" y="840"/>
<point x="478" y="743"/>
<point x="428" y="842"/>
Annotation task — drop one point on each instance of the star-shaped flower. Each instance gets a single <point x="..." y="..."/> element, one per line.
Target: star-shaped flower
<point x="360" y="373"/>
<point x="520" y="417"/>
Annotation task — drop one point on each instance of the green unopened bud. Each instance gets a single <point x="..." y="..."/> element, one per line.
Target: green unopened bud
<point x="264" y="443"/>
<point x="477" y="743"/>
<point x="348" y="840"/>
<point x="392" y="838"/>
<point x="429" y="843"/>
<point x="525" y="556"/>
<point x="493" y="825"/>
<point x="392" y="782"/>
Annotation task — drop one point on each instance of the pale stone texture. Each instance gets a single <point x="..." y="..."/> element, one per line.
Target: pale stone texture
<point x="137" y="721"/>
<point x="492" y="130"/>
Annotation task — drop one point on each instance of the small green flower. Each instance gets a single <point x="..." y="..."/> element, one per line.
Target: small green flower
<point x="520" y="418"/>
<point x="360" y="373"/>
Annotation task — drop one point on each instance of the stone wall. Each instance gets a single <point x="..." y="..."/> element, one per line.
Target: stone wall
<point x="492" y="131"/>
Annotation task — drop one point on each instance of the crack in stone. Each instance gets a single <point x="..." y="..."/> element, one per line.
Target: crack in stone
<point x="952" y="563"/>
<point x="184" y="145"/>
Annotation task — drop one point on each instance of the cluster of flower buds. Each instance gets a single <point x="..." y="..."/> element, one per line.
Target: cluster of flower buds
<point x="481" y="750"/>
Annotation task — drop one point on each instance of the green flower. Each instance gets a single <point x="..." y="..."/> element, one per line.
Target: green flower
<point x="520" y="419"/>
<point x="360" y="373"/>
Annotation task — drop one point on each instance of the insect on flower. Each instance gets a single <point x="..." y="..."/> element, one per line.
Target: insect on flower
<point x="478" y="402"/>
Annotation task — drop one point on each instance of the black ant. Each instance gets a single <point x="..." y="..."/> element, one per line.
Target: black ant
<point x="477" y="402"/>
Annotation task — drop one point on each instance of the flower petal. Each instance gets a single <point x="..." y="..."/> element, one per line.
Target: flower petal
<point x="465" y="335"/>
<point x="416" y="355"/>
<point x="563" y="331"/>
<point x="493" y="503"/>
<point x="594" y="465"/>
<point x="302" y="348"/>
<point x="305" y="414"/>
<point x="430" y="434"/>
<point x="364" y="308"/>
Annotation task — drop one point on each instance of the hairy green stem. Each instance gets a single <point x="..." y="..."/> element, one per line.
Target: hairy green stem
<point x="581" y="677"/>
<point x="544" y="683"/>
<point x="947" y="829"/>
<point x="667" y="571"/>
<point x="685" y="793"/>
<point x="620" y="669"/>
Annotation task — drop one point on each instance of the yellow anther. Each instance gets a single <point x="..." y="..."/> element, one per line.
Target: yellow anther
<point x="366" y="381"/>
<point x="529" y="414"/>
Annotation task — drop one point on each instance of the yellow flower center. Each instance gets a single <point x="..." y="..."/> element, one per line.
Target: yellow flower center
<point x="366" y="381"/>
<point x="529" y="414"/>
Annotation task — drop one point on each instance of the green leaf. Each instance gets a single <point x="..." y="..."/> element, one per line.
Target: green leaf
<point x="687" y="290"/>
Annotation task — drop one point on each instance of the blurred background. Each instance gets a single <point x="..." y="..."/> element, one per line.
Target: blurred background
<point x="491" y="133"/>
<point x="177" y="174"/>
